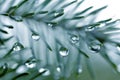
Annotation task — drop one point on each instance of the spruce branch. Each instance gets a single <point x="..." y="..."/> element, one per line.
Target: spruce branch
<point x="43" y="41"/>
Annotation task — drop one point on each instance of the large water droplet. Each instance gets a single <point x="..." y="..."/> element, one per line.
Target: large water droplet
<point x="46" y="71"/>
<point x="35" y="36"/>
<point x="74" y="39"/>
<point x="31" y="63"/>
<point x="21" y="69"/>
<point x="89" y="28"/>
<point x="63" y="51"/>
<point x="95" y="47"/>
<point x="17" y="46"/>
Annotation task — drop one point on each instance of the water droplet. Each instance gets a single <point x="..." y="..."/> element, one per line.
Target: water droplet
<point x="50" y="25"/>
<point x="56" y="14"/>
<point x="74" y="39"/>
<point x="3" y="69"/>
<point x="59" y="13"/>
<point x="79" y="70"/>
<point x="90" y="28"/>
<point x="46" y="71"/>
<point x="118" y="67"/>
<point x="13" y="65"/>
<point x="95" y="47"/>
<point x="63" y="51"/>
<point x="21" y="69"/>
<point x="58" y="69"/>
<point x="35" y="36"/>
<point x="102" y="25"/>
<point x="31" y="63"/>
<point x="118" y="48"/>
<point x="17" y="46"/>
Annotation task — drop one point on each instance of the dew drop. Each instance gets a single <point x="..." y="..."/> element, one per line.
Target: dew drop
<point x="79" y="70"/>
<point x="118" y="48"/>
<point x="3" y="69"/>
<point x="95" y="47"/>
<point x="31" y="63"/>
<point x="74" y="39"/>
<point x="102" y="25"/>
<point x="4" y="66"/>
<point x="59" y="13"/>
<point x="21" y="69"/>
<point x="58" y="69"/>
<point x="90" y="28"/>
<point x="63" y="51"/>
<point x="118" y="67"/>
<point x="17" y="46"/>
<point x="50" y="25"/>
<point x="36" y="37"/>
<point x="46" y="71"/>
<point x="13" y="65"/>
<point x="56" y="14"/>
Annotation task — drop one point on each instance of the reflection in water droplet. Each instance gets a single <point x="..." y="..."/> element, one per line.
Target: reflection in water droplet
<point x="31" y="63"/>
<point x="90" y="28"/>
<point x="74" y="39"/>
<point x="17" y="46"/>
<point x="35" y="36"/>
<point x="63" y="51"/>
<point x="46" y="71"/>
<point x="21" y="69"/>
<point x="95" y="47"/>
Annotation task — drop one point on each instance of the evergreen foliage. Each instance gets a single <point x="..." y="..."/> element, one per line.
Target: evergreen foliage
<point x="52" y="40"/>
